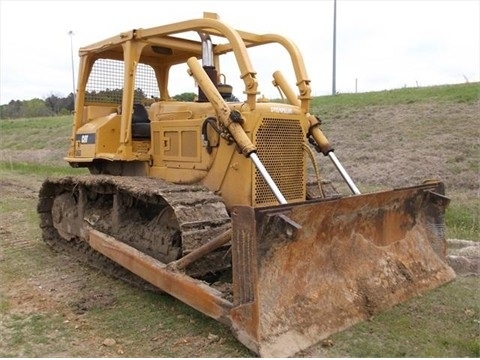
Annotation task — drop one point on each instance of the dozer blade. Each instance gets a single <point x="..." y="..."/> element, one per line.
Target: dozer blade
<point x="305" y="271"/>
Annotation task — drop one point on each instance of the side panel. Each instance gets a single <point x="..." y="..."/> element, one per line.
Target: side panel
<point x="177" y="144"/>
<point x="100" y="135"/>
<point x="177" y="152"/>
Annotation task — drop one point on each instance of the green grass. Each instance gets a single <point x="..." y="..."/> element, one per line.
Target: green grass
<point x="461" y="93"/>
<point x="7" y="205"/>
<point x="27" y="168"/>
<point x="463" y="220"/>
<point x="29" y="333"/>
<point x="36" y="133"/>
<point x="138" y="316"/>
<point x="425" y="326"/>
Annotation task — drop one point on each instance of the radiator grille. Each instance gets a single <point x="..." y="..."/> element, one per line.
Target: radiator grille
<point x="279" y="144"/>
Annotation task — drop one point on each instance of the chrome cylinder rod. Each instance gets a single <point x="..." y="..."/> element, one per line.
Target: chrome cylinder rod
<point x="268" y="179"/>
<point x="344" y="173"/>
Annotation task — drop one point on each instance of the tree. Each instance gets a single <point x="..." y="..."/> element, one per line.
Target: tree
<point x="186" y="96"/>
<point x="36" y="108"/>
<point x="53" y="102"/>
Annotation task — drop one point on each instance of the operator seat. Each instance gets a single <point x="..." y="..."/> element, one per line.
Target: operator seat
<point x="140" y="122"/>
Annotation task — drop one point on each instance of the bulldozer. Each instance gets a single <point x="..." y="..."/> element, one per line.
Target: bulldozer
<point x="219" y="202"/>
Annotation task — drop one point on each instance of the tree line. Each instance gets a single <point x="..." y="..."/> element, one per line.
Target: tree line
<point x="53" y="105"/>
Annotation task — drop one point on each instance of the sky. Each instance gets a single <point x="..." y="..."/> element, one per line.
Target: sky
<point x="380" y="45"/>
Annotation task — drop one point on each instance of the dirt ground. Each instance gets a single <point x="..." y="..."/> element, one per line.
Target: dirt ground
<point x="401" y="145"/>
<point x="42" y="282"/>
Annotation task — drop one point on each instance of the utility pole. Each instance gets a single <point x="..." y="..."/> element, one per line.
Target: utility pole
<point x="334" y="70"/>
<point x="73" y="67"/>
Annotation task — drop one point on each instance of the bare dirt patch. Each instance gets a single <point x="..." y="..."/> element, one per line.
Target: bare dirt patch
<point x="53" y="156"/>
<point x="38" y="287"/>
<point x="394" y="146"/>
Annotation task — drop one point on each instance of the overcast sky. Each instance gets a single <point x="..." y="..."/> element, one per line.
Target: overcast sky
<point x="380" y="44"/>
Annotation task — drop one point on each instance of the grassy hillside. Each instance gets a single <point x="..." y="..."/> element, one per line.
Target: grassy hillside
<point x="461" y="93"/>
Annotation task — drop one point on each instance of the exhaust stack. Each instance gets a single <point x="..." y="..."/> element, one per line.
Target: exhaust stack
<point x="207" y="64"/>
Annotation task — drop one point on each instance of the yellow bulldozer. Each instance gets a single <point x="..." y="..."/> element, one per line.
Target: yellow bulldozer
<point x="219" y="202"/>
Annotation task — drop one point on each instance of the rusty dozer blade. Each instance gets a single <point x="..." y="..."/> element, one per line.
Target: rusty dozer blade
<point x="302" y="272"/>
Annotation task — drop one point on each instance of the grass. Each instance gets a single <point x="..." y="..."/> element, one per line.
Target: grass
<point x="461" y="93"/>
<point x="160" y="321"/>
<point x="463" y="220"/>
<point x="29" y="333"/>
<point x="44" y="170"/>
<point x="35" y="133"/>
<point x="426" y="326"/>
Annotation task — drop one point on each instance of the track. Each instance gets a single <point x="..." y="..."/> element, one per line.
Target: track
<point x="163" y="220"/>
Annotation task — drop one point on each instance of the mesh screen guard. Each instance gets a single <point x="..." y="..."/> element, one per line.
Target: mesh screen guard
<point x="105" y="83"/>
<point x="279" y="147"/>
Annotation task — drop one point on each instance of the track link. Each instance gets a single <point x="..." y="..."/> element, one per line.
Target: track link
<point x="161" y="219"/>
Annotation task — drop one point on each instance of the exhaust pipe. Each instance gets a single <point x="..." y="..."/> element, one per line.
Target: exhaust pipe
<point x="207" y="64"/>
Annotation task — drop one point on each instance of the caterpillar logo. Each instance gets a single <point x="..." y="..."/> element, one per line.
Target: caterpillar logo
<point x="85" y="138"/>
